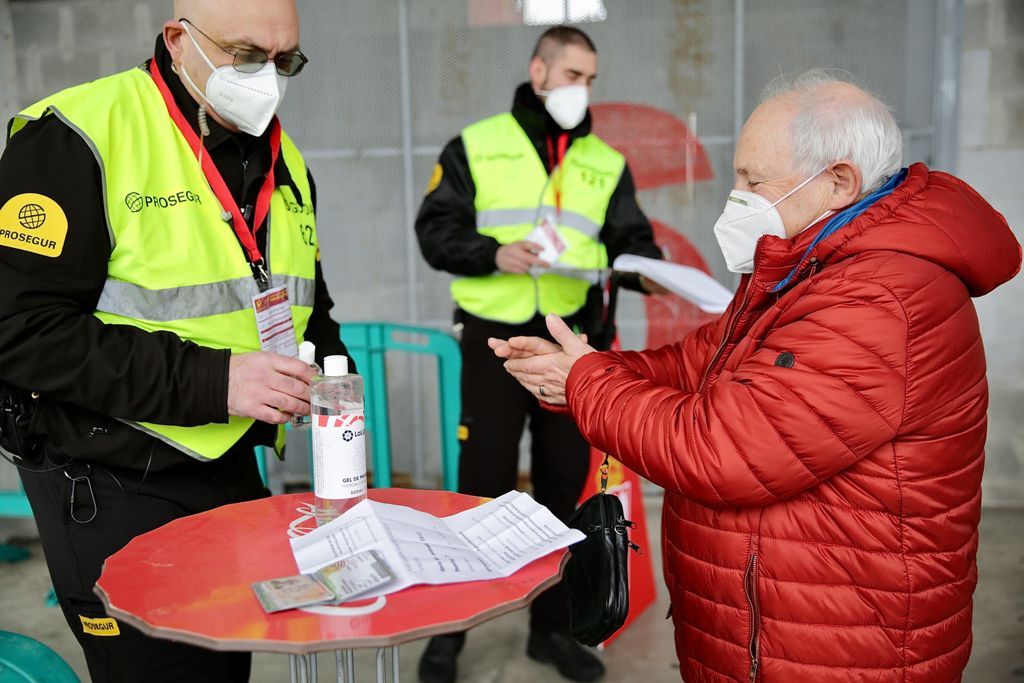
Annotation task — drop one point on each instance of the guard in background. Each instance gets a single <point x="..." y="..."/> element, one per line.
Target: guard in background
<point x="139" y="215"/>
<point x="537" y="172"/>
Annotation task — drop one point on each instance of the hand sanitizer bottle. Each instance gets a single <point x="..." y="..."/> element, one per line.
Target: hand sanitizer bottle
<point x="307" y="354"/>
<point x="339" y="440"/>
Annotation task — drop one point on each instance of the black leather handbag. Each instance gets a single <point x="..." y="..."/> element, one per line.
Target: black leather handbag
<point x="597" y="575"/>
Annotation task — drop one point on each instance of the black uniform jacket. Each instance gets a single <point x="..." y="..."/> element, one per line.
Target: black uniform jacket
<point x="446" y="224"/>
<point x="87" y="373"/>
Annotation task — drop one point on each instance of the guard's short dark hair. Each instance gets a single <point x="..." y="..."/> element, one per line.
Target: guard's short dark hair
<point x="552" y="41"/>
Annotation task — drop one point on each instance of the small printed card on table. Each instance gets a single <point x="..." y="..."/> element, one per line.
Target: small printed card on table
<point x="335" y="583"/>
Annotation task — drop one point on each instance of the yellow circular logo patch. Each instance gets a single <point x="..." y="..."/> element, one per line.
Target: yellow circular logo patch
<point x="435" y="179"/>
<point x="35" y="223"/>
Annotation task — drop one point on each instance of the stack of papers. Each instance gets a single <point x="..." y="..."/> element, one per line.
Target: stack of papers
<point x="490" y="541"/>
<point x="690" y="283"/>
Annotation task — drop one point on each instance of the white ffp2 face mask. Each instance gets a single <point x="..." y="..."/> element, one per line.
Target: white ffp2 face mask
<point x="247" y="101"/>
<point x="746" y="218"/>
<point x="567" y="105"/>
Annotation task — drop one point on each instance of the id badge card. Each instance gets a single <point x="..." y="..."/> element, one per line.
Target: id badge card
<point x="274" y="322"/>
<point x="545" y="234"/>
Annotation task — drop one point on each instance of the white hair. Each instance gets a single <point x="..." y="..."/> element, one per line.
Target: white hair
<point x="828" y="128"/>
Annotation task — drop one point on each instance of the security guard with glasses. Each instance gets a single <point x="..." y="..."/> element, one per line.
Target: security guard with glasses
<point x="512" y="196"/>
<point x="139" y="216"/>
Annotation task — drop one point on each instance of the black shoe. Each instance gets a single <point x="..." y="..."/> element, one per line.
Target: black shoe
<point x="437" y="665"/>
<point x="571" y="659"/>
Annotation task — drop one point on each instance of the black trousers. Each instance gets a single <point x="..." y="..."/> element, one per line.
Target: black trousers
<point x="111" y="507"/>
<point x="495" y="408"/>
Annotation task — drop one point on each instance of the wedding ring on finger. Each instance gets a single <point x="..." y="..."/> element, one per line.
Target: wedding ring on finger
<point x="540" y="390"/>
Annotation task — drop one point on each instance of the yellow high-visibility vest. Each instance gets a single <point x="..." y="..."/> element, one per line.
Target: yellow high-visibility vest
<point x="176" y="264"/>
<point x="512" y="193"/>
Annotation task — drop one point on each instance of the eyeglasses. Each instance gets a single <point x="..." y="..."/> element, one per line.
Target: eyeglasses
<point x="249" y="61"/>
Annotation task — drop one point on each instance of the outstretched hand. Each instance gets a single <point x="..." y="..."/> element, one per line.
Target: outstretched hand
<point x="542" y="367"/>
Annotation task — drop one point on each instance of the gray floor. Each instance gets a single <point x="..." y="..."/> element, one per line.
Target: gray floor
<point x="495" y="651"/>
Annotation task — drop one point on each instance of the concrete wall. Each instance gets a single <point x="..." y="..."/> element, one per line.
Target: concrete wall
<point x="992" y="160"/>
<point x="8" y="64"/>
<point x="63" y="42"/>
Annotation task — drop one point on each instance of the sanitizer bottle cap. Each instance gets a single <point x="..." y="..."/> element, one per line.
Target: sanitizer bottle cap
<point x="307" y="352"/>
<point x="335" y="366"/>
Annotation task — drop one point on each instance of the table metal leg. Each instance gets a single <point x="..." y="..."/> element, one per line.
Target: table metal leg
<point x="346" y="663"/>
<point x="382" y="665"/>
<point x="299" y="674"/>
<point x="302" y="668"/>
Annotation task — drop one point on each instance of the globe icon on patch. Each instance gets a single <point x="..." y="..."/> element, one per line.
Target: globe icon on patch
<point x="31" y="216"/>
<point x="134" y="202"/>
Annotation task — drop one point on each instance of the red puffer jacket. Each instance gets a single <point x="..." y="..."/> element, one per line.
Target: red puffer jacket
<point x="822" y="448"/>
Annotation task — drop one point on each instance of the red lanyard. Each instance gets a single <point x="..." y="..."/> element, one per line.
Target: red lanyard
<point x="246" y="234"/>
<point x="556" y="166"/>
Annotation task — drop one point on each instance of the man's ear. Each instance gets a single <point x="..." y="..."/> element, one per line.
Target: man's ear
<point x="846" y="183"/>
<point x="173" y="35"/>
<point x="538" y="70"/>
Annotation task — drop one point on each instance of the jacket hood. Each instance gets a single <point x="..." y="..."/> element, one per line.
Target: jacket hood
<point x="931" y="215"/>
<point x="534" y="118"/>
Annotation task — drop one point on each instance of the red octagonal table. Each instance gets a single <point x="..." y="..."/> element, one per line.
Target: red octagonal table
<point x="190" y="581"/>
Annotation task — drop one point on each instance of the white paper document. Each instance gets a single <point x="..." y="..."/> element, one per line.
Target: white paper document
<point x="690" y="283"/>
<point x="490" y="541"/>
<point x="545" y="234"/>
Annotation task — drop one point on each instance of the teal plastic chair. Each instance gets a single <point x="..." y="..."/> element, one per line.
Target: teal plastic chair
<point x="369" y="342"/>
<point x="24" y="660"/>
<point x="14" y="504"/>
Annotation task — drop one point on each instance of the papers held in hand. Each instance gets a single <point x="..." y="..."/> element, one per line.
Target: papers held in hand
<point x="692" y="284"/>
<point x="333" y="584"/>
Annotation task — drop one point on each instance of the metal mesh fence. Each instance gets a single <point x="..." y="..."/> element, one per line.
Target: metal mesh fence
<point x="464" y="61"/>
<point x="446" y="63"/>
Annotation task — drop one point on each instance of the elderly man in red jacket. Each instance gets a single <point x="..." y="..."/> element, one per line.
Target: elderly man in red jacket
<point x="821" y="445"/>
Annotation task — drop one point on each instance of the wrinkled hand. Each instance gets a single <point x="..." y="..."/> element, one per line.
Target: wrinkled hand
<point x="540" y="366"/>
<point x="519" y="257"/>
<point x="268" y="386"/>
<point x="524" y="347"/>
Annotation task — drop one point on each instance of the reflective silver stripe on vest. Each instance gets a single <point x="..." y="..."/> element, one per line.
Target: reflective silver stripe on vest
<point x="173" y="444"/>
<point x="499" y="218"/>
<point x="195" y="301"/>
